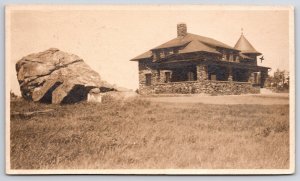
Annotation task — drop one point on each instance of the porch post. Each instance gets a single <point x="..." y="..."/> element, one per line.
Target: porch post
<point x="202" y="72"/>
<point x="251" y="77"/>
<point x="230" y="74"/>
<point x="263" y="76"/>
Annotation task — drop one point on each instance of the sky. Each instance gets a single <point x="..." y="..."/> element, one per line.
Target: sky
<point x="106" y="38"/>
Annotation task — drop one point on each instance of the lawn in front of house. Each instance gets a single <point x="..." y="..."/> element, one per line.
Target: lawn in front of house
<point x="141" y="134"/>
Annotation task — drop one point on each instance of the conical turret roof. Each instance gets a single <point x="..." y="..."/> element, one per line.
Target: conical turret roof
<point x="245" y="46"/>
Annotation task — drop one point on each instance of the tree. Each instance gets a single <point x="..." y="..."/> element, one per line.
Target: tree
<point x="280" y="80"/>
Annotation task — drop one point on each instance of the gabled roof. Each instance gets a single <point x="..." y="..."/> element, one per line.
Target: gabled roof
<point x="180" y="41"/>
<point x="197" y="46"/>
<point x="190" y="43"/>
<point x="245" y="46"/>
<point x="145" y="55"/>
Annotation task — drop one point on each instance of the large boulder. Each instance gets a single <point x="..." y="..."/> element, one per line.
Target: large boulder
<point x="54" y="76"/>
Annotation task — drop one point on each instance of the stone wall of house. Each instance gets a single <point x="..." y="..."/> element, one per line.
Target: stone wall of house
<point x="202" y="85"/>
<point x="205" y="86"/>
<point x="155" y="77"/>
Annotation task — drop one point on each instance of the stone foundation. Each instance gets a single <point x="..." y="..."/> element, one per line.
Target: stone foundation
<point x="205" y="86"/>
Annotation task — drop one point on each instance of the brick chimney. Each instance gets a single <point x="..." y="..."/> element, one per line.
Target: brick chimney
<point x="181" y="30"/>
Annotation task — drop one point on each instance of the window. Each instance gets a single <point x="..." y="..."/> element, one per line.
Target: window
<point x="148" y="79"/>
<point x="255" y="78"/>
<point x="237" y="58"/>
<point x="166" y="53"/>
<point x="168" y="77"/>
<point x="155" y="56"/>
<point x="227" y="57"/>
<point x="190" y="76"/>
<point x="223" y="57"/>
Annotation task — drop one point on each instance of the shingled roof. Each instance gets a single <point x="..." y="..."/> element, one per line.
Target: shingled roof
<point x="198" y="46"/>
<point x="180" y="41"/>
<point x="191" y="43"/>
<point x="245" y="46"/>
<point x="145" y="55"/>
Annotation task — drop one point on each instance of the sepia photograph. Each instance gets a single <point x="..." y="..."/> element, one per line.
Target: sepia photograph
<point x="149" y="89"/>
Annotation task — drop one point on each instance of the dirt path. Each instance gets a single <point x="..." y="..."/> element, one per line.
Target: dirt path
<point x="263" y="99"/>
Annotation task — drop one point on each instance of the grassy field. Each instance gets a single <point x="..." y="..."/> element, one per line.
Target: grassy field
<point x="143" y="134"/>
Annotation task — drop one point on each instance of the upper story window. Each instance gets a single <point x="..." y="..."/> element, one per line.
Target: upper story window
<point x="162" y="54"/>
<point x="170" y="52"/>
<point x="227" y="56"/>
<point x="223" y="57"/>
<point x="236" y="58"/>
<point x="155" y="57"/>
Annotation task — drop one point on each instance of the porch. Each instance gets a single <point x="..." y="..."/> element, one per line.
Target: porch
<point x="228" y="72"/>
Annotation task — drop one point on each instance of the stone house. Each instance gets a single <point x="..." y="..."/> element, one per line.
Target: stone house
<point x="192" y="63"/>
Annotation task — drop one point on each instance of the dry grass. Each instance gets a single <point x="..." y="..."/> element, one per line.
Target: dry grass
<point x="143" y="134"/>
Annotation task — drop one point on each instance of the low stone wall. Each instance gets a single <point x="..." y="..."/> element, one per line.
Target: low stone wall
<point x="205" y="86"/>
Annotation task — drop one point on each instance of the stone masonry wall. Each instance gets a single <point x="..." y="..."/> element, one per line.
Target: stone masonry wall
<point x="202" y="85"/>
<point x="205" y="86"/>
